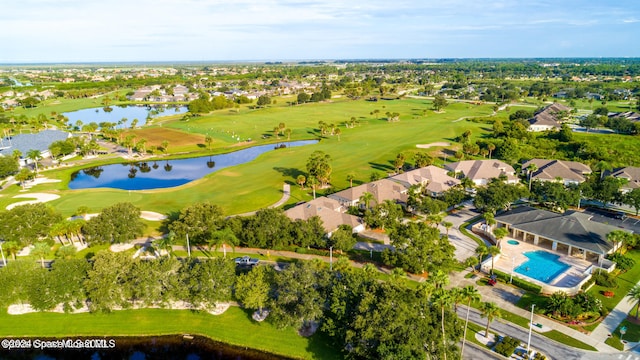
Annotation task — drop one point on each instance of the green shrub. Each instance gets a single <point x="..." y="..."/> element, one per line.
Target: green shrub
<point x="588" y="284"/>
<point x="605" y="279"/>
<point x="522" y="284"/>
<point x="622" y="262"/>
<point x="507" y="346"/>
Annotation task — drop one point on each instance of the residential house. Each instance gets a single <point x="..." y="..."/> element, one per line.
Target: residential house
<point x="330" y="211"/>
<point x="434" y="179"/>
<point x="381" y="190"/>
<point x="548" y="118"/>
<point x="570" y="172"/>
<point x="632" y="176"/>
<point x="482" y="171"/>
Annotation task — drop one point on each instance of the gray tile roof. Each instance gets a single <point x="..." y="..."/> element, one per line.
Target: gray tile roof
<point x="25" y="142"/>
<point x="572" y="228"/>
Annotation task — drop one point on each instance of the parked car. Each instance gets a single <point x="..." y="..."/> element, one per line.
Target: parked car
<point x="246" y="261"/>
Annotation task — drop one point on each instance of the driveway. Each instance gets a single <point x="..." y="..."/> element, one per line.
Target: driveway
<point x="465" y="246"/>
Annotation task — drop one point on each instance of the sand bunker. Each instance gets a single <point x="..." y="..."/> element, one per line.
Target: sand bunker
<point x="426" y="146"/>
<point x="39" y="198"/>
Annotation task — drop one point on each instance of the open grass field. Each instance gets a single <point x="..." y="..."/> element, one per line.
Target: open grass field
<point x="179" y="141"/>
<point x="370" y="146"/>
<point x="234" y="327"/>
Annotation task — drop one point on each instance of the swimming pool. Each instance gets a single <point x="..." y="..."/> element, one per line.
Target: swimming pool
<point x="542" y="265"/>
<point x="513" y="242"/>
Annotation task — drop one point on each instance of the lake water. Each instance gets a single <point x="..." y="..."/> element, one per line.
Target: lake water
<point x="147" y="348"/>
<point x="117" y="113"/>
<point x="145" y="175"/>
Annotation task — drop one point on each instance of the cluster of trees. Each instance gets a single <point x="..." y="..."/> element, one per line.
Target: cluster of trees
<point x="206" y="225"/>
<point x="27" y="224"/>
<point x="205" y="104"/>
<point x="323" y="94"/>
<point x="8" y="166"/>
<point x="560" y="305"/>
<point x="359" y="314"/>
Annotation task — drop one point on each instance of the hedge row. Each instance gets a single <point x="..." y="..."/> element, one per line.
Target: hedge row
<point x="522" y="284"/>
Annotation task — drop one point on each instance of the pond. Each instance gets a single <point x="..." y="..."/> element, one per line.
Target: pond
<point x="146" y="175"/>
<point x="117" y="113"/>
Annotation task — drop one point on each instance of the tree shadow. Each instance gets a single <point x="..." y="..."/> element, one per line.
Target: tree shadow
<point x="381" y="167"/>
<point x="289" y="172"/>
<point x="201" y="146"/>
<point x="171" y="217"/>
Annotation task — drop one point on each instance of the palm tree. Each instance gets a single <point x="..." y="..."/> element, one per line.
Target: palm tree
<point x="493" y="251"/>
<point x="482" y="250"/>
<point x="439" y="279"/>
<point x="208" y="140"/>
<point x="166" y="243"/>
<point x="470" y="293"/>
<point x="489" y="219"/>
<point x="634" y="296"/>
<point x="165" y="146"/>
<point x="300" y="180"/>
<point x="34" y="155"/>
<point x="447" y="225"/>
<point x="442" y="299"/>
<point x="12" y="248"/>
<point x="500" y="233"/>
<point x="530" y="170"/>
<point x="366" y="199"/>
<point x="41" y="250"/>
<point x="603" y="166"/>
<point x="313" y="183"/>
<point x="471" y="262"/>
<point x="616" y="237"/>
<point x="350" y="178"/>
<point x="224" y="236"/>
<point x="491" y="311"/>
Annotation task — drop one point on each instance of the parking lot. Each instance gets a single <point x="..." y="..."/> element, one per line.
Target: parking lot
<point x="629" y="223"/>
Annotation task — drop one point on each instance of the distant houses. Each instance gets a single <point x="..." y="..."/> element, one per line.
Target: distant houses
<point x="630" y="174"/>
<point x="435" y="180"/>
<point x="381" y="190"/>
<point x="549" y="118"/>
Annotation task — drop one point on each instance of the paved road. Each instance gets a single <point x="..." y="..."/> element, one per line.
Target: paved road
<point x="629" y="223"/>
<point x="553" y="349"/>
<point x="465" y="247"/>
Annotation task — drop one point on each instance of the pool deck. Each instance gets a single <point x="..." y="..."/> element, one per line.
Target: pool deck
<point x="569" y="278"/>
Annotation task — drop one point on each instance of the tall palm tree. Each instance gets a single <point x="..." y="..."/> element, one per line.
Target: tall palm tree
<point x="616" y="237"/>
<point x="470" y="293"/>
<point x="35" y="156"/>
<point x="442" y="299"/>
<point x="491" y="311"/>
<point x="41" y="250"/>
<point x="493" y="251"/>
<point x="634" y="296"/>
<point x="447" y="225"/>
<point x="166" y="243"/>
<point x="500" y="233"/>
<point x="312" y="181"/>
<point x="439" y="279"/>
<point x="350" y="178"/>
<point x="224" y="236"/>
<point x="482" y="250"/>
<point x="530" y="170"/>
<point x="366" y="198"/>
<point x="208" y="140"/>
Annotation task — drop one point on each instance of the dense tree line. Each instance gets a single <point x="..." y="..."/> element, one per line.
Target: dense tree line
<point x="364" y="317"/>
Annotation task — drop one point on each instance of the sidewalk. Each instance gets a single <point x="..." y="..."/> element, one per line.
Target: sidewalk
<point x="611" y="322"/>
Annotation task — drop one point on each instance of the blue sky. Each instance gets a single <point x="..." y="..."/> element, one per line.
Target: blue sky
<point x="201" y="30"/>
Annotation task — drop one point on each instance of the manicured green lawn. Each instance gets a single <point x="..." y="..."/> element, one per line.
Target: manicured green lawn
<point x="369" y="147"/>
<point x="625" y="282"/>
<point x="234" y="327"/>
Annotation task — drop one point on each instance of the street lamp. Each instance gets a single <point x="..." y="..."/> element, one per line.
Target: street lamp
<point x="530" y="328"/>
<point x="330" y="257"/>
<point x="188" y="247"/>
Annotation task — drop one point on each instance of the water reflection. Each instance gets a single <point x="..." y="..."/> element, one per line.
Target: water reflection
<point x="141" y="176"/>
